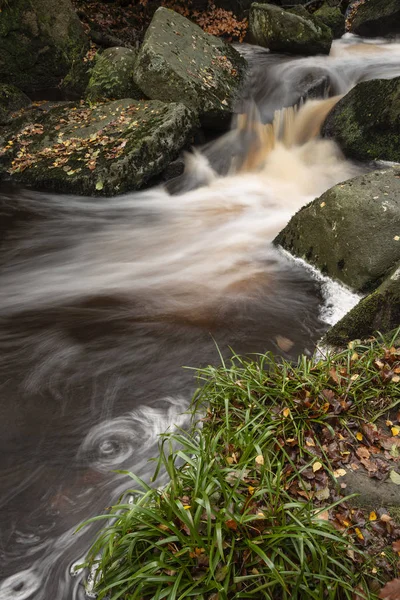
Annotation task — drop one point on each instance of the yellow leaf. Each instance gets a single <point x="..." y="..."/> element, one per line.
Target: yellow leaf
<point x="229" y="460"/>
<point x="260" y="459"/>
<point x="355" y="377"/>
<point x="395" y="431"/>
<point x="372" y="516"/>
<point x="359" y="436"/>
<point x="251" y="489"/>
<point x="340" y="472"/>
<point x="389" y="423"/>
<point x="358" y="533"/>
<point x="286" y="412"/>
<point x="187" y="506"/>
<point x="316" y="466"/>
<point x="396" y="379"/>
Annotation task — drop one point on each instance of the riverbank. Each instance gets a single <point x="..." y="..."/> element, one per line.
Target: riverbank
<point x="258" y="503"/>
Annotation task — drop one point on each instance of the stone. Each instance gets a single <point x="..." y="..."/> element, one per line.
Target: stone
<point x="288" y="31"/>
<point x="373" y="18"/>
<point x="39" y="42"/>
<point x="380" y="311"/>
<point x="112" y="76"/>
<point x="179" y="62"/>
<point x="11" y="100"/>
<point x="352" y="231"/>
<point x="333" y="18"/>
<point x="368" y="130"/>
<point x="95" y="150"/>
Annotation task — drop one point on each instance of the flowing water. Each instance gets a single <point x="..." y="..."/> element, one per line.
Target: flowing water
<point x="103" y="301"/>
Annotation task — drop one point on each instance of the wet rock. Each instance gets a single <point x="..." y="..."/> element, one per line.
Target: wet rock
<point x="178" y="62"/>
<point x="39" y="42"/>
<point x="106" y="149"/>
<point x="368" y="130"/>
<point x="11" y="100"/>
<point x="374" y="18"/>
<point x="352" y="232"/>
<point x="380" y="311"/>
<point x="285" y="31"/>
<point x="333" y="18"/>
<point x="112" y="76"/>
<point x="372" y="493"/>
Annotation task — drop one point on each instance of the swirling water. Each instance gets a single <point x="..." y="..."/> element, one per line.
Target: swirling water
<point x="102" y="302"/>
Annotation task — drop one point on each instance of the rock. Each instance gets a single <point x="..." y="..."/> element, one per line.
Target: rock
<point x="178" y="62"/>
<point x="39" y="42"/>
<point x="332" y="17"/>
<point x="380" y="311"/>
<point x="352" y="232"/>
<point x="106" y="149"/>
<point x="374" y="18"/>
<point x="368" y="130"/>
<point x="11" y="100"/>
<point x="74" y="85"/>
<point x="284" y="31"/>
<point x="112" y="76"/>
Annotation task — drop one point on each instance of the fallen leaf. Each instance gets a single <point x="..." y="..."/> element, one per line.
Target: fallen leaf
<point x="358" y="533"/>
<point x="260" y="459"/>
<point x="394" y="477"/>
<point x="391" y="591"/>
<point x="359" y="436"/>
<point x="340" y="472"/>
<point x="316" y="466"/>
<point x="286" y="412"/>
<point x="322" y="494"/>
<point x="395" y="431"/>
<point x="231" y="524"/>
<point x="372" y="516"/>
<point x="362" y="452"/>
<point x="396" y="546"/>
<point x="99" y="185"/>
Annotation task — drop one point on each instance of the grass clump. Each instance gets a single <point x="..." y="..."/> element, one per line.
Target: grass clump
<point x="253" y="508"/>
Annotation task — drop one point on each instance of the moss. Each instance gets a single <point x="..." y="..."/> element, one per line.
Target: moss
<point x="368" y="130"/>
<point x="333" y="18"/>
<point x="112" y="76"/>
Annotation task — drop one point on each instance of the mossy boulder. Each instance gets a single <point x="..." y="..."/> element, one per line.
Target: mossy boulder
<point x="112" y="76"/>
<point x="179" y="62"/>
<point x="366" y="122"/>
<point x="380" y="311"/>
<point x="11" y="100"/>
<point x="352" y="232"/>
<point x="333" y="18"/>
<point x="39" y="42"/>
<point x="296" y="32"/>
<point x="375" y="18"/>
<point x="107" y="149"/>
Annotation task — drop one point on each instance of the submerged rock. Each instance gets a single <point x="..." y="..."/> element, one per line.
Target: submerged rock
<point x="380" y="311"/>
<point x="296" y="32"/>
<point x="352" y="232"/>
<point x="373" y="18"/>
<point x="106" y="149"/>
<point x="39" y="42"/>
<point x="11" y="100"/>
<point x="178" y="62"/>
<point x="333" y="18"/>
<point x="368" y="130"/>
<point x="112" y="76"/>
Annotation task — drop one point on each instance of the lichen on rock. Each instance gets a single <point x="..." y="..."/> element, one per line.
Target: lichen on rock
<point x="295" y="31"/>
<point x="178" y="62"/>
<point x="352" y="231"/>
<point x="104" y="149"/>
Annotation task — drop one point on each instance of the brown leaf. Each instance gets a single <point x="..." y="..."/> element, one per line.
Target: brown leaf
<point x="391" y="591"/>
<point x="333" y="374"/>
<point x="362" y="452"/>
<point x="231" y="524"/>
<point x="396" y="546"/>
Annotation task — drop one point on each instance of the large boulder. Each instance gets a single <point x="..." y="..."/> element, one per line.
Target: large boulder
<point x="375" y="18"/>
<point x="333" y="18"/>
<point x="352" y="232"/>
<point x="178" y="62"/>
<point x="39" y="41"/>
<point x="285" y="31"/>
<point x="380" y="311"/>
<point x="112" y="76"/>
<point x="106" y="149"/>
<point x="368" y="130"/>
<point x="11" y="100"/>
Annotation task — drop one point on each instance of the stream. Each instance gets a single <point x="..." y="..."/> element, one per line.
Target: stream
<point x="104" y="301"/>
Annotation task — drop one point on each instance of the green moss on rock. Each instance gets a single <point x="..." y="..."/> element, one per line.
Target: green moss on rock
<point x="295" y="31"/>
<point x="11" y="100"/>
<point x="179" y="62"/>
<point x="380" y="311"/>
<point x="39" y="41"/>
<point x="366" y="122"/>
<point x="105" y="149"/>
<point x="352" y="232"/>
<point x="332" y="17"/>
<point x="112" y="76"/>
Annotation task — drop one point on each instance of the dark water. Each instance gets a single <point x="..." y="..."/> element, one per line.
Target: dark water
<point x="102" y="302"/>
